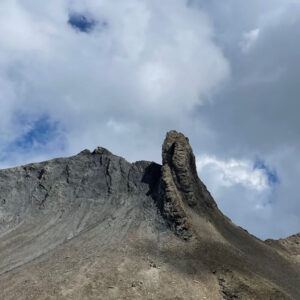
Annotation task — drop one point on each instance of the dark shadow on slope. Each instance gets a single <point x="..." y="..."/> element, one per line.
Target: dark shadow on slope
<point x="152" y="176"/>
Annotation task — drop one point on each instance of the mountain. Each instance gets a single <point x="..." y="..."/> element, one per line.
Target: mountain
<point x="94" y="226"/>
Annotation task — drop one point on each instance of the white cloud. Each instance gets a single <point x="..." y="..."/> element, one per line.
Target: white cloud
<point x="249" y="39"/>
<point x="242" y="192"/>
<point x="152" y="62"/>
<point x="231" y="172"/>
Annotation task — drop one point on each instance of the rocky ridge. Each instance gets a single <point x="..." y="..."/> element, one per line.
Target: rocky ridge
<point x="290" y="246"/>
<point x="94" y="226"/>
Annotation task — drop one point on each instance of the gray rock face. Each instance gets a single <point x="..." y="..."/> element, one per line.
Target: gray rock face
<point x="60" y="198"/>
<point x="180" y="185"/>
<point x="94" y="226"/>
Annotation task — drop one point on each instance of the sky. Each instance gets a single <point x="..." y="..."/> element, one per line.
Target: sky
<point x="119" y="74"/>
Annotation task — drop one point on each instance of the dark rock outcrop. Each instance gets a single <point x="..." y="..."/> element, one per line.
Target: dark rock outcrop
<point x="180" y="185"/>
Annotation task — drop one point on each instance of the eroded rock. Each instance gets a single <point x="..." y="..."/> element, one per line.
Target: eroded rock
<point x="180" y="185"/>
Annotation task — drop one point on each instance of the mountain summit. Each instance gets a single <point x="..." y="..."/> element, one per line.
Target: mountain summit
<point x="94" y="226"/>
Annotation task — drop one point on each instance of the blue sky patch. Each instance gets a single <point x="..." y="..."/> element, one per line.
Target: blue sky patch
<point x="271" y="174"/>
<point x="81" y="22"/>
<point x="41" y="135"/>
<point x="41" y="132"/>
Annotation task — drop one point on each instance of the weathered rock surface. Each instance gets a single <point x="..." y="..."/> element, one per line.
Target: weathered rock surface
<point x="289" y="247"/>
<point x="94" y="226"/>
<point x="180" y="185"/>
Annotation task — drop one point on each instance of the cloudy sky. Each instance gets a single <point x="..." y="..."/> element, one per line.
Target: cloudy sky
<point x="77" y="74"/>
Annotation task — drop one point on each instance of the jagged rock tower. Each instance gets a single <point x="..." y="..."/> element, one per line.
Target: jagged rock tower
<point x="181" y="189"/>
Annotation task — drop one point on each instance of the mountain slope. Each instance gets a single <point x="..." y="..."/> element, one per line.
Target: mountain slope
<point x="94" y="226"/>
<point x="289" y="247"/>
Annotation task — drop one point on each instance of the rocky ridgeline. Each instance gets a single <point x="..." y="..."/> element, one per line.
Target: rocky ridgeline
<point x="94" y="226"/>
<point x="62" y="186"/>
